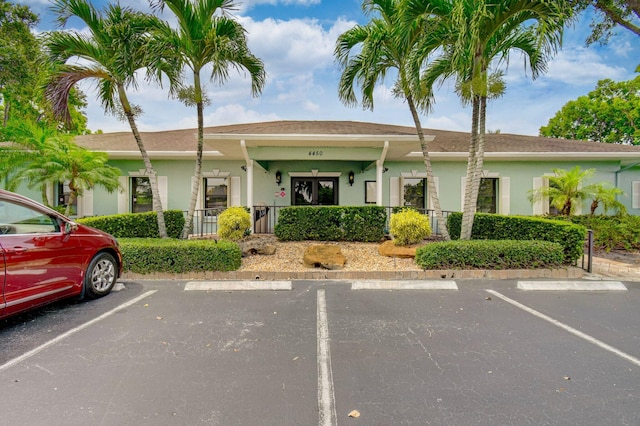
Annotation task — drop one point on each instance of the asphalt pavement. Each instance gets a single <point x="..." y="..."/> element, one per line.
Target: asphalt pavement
<point x="326" y="353"/>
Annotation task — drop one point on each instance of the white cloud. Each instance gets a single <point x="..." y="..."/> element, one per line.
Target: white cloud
<point x="235" y="113"/>
<point x="581" y="66"/>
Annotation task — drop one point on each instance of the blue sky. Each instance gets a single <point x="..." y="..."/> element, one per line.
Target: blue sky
<point x="295" y="40"/>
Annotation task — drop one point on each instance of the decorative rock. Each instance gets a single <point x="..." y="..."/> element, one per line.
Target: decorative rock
<point x="388" y="248"/>
<point x="257" y="245"/>
<point x="326" y="256"/>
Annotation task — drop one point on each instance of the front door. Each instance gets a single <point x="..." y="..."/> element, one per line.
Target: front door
<point x="314" y="191"/>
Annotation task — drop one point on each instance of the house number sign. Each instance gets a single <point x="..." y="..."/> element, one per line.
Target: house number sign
<point x="315" y="153"/>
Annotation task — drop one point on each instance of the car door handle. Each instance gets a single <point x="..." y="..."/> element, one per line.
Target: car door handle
<point x="15" y="250"/>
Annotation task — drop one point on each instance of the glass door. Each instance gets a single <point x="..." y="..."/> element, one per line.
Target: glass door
<point x="314" y="191"/>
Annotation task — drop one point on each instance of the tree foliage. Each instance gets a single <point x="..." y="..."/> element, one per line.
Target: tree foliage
<point x="610" y="113"/>
<point x="609" y="15"/>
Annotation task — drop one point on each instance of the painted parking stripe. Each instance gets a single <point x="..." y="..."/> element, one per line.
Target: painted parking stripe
<point x="63" y="336"/>
<point x="237" y="285"/>
<point x="568" y="328"/>
<point x="405" y="285"/>
<point x="326" y="394"/>
<point x="572" y="285"/>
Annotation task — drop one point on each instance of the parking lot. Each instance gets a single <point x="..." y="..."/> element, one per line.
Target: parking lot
<point x="322" y="353"/>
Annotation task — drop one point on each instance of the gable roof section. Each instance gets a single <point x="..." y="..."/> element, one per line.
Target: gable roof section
<point x="223" y="142"/>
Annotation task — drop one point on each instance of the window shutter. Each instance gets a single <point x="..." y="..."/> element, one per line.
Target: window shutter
<point x="123" y="196"/>
<point x="234" y="190"/>
<point x="505" y="195"/>
<point x="394" y="191"/>
<point x="635" y="195"/>
<point x="538" y="206"/>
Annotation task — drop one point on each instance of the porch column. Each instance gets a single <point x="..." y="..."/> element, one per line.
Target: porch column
<point x="249" y="182"/>
<point x="379" y="171"/>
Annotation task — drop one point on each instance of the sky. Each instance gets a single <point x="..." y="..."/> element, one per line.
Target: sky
<point x="295" y="40"/>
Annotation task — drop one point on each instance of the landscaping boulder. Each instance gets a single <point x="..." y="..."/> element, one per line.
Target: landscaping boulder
<point x="388" y="248"/>
<point x="257" y="244"/>
<point x="327" y="256"/>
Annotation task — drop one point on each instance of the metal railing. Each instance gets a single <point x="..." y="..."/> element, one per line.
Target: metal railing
<point x="205" y="221"/>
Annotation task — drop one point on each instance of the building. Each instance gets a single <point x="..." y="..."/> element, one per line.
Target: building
<point x="285" y="163"/>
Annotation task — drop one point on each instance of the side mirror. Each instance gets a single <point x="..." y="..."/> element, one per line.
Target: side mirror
<point x="70" y="227"/>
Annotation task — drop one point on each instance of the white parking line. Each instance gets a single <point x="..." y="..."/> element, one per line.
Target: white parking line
<point x="570" y="329"/>
<point x="326" y="395"/>
<point x="63" y="336"/>
<point x="225" y="285"/>
<point x="405" y="285"/>
<point x="572" y="285"/>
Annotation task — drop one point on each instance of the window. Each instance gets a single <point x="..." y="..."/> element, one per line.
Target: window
<point x="63" y="195"/>
<point x="487" y="196"/>
<point x="141" y="197"/>
<point x="414" y="193"/>
<point x="216" y="193"/>
<point x="314" y="191"/>
<point x="18" y="219"/>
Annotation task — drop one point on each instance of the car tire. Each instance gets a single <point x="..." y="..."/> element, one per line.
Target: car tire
<point x="101" y="276"/>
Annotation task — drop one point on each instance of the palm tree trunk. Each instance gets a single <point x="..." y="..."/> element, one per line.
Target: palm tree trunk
<point x="477" y="174"/>
<point x="153" y="180"/>
<point x="469" y="208"/>
<point x="195" y="187"/>
<point x="433" y="194"/>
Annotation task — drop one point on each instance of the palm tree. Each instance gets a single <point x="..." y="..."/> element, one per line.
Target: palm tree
<point x="28" y="143"/>
<point x="566" y="190"/>
<point x="41" y="156"/>
<point x="367" y="53"/>
<point x="475" y="36"/>
<point x="64" y="161"/>
<point x="112" y="50"/>
<point x="207" y="37"/>
<point x="607" y="195"/>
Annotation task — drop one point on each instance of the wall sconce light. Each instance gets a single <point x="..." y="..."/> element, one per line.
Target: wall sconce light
<point x="278" y="177"/>
<point x="385" y="170"/>
<point x="352" y="178"/>
<point x="244" y="168"/>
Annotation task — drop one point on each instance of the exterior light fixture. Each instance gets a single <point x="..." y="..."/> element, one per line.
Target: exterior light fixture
<point x="352" y="178"/>
<point x="243" y="167"/>
<point x="278" y="177"/>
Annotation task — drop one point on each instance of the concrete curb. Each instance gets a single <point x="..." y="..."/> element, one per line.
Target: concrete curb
<point x="507" y="274"/>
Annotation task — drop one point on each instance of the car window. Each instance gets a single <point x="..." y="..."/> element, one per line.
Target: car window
<point x="19" y="219"/>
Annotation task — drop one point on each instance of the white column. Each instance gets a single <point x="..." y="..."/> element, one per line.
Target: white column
<point x="379" y="171"/>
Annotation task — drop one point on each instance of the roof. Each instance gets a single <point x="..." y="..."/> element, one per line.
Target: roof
<point x="224" y="142"/>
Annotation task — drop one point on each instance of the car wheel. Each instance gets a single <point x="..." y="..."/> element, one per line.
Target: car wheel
<point x="101" y="276"/>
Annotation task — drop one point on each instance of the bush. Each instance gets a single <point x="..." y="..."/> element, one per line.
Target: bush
<point x="147" y="255"/>
<point x="409" y="227"/>
<point x="234" y="223"/>
<point x="498" y="227"/>
<point x="612" y="232"/>
<point x="490" y="254"/>
<point x="331" y="223"/>
<point x="137" y="225"/>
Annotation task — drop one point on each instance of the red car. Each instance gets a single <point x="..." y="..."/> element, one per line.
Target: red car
<point x="44" y="256"/>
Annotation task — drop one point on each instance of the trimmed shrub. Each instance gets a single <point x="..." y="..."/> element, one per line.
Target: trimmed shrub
<point x="498" y="227"/>
<point x="612" y="232"/>
<point x="137" y="225"/>
<point x="490" y="254"/>
<point x="234" y="223"/>
<point x="331" y="223"/>
<point x="148" y="255"/>
<point x="408" y="226"/>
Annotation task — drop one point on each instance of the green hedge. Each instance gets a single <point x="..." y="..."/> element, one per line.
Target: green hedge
<point x="498" y="227"/>
<point x="490" y="254"/>
<point x="147" y="255"/>
<point x="137" y="225"/>
<point x="331" y="223"/>
<point x="612" y="232"/>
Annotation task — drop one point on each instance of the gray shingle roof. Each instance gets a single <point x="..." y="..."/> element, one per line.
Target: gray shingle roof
<point x="185" y="140"/>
